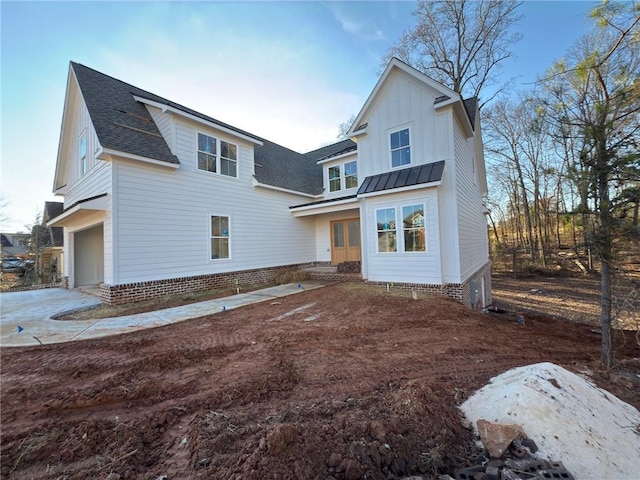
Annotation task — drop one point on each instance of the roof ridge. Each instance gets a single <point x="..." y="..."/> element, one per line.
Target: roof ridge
<point x="329" y="145"/>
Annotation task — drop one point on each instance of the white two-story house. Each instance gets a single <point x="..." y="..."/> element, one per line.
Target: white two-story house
<point x="160" y="198"/>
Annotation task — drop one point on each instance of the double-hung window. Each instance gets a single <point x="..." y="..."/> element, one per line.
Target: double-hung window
<point x="343" y="177"/>
<point x="224" y="163"/>
<point x="400" y="148"/>
<point x="207" y="148"/>
<point x="334" y="179"/>
<point x="219" y="237"/>
<point x="386" y="226"/>
<point x="228" y="159"/>
<point x="351" y="174"/>
<point x="413" y="228"/>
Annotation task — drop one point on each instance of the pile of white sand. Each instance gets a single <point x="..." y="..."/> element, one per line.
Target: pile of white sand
<point x="593" y="433"/>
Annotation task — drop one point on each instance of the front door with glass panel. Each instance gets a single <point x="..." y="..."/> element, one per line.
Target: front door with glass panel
<point x="345" y="241"/>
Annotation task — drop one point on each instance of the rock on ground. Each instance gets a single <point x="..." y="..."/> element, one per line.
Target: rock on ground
<point x="595" y="434"/>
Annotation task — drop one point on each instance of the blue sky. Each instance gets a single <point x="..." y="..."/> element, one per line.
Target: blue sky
<point x="287" y="71"/>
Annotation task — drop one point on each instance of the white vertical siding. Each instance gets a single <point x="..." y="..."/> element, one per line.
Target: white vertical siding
<point x="406" y="267"/>
<point x="403" y="102"/>
<point x="447" y="203"/>
<point x="472" y="224"/>
<point x="163" y="226"/>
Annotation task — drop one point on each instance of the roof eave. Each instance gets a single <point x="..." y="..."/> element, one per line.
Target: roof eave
<point x="108" y="154"/>
<point x="258" y="184"/>
<point x="401" y="189"/>
<point x="181" y="113"/>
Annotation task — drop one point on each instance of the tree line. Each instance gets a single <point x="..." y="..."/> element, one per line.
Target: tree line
<point x="563" y="157"/>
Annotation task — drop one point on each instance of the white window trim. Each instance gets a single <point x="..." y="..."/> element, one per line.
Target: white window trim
<point x="400" y="227"/>
<point x="210" y="237"/>
<point x="396" y="130"/>
<point x="339" y="178"/>
<point x="343" y="177"/>
<point x="395" y="212"/>
<point x="218" y="156"/>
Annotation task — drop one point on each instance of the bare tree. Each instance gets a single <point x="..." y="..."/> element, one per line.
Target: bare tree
<point x="460" y="43"/>
<point x="344" y="127"/>
<point x="594" y="93"/>
<point x="4" y="213"/>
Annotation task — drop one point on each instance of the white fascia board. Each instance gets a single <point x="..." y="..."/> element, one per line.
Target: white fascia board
<point x="256" y="183"/>
<point x="107" y="155"/>
<point x="168" y="108"/>
<point x="338" y="157"/>
<point x="401" y="190"/>
<point x="396" y="64"/>
<point x="97" y="204"/>
<point x="338" y="206"/>
<point x="71" y="76"/>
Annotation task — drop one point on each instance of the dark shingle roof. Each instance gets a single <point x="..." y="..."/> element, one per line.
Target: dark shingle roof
<point x="431" y="172"/>
<point x="52" y="210"/>
<point x="280" y="167"/>
<point x="470" y="106"/>
<point x="124" y="124"/>
<point x="120" y="122"/>
<point x="5" y="241"/>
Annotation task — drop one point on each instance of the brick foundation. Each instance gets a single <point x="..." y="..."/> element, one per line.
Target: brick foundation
<point x="460" y="292"/>
<point x="136" y="292"/>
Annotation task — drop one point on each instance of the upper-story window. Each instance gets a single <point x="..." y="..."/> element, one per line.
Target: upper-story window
<point x="334" y="179"/>
<point x="208" y="159"/>
<point x="400" y="148"/>
<point x="351" y="174"/>
<point x="343" y="176"/>
<point x="82" y="153"/>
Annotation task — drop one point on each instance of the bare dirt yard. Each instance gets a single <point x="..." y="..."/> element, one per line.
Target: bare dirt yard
<point x="346" y="382"/>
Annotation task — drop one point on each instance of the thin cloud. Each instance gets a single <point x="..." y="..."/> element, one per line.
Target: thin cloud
<point x="354" y="25"/>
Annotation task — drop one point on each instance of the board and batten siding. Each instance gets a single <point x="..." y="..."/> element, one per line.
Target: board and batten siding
<point x="472" y="224"/>
<point x="404" y="102"/>
<point x="403" y="267"/>
<point x="163" y="219"/>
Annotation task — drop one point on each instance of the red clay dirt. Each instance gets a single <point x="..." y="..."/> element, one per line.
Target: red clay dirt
<point x="343" y="382"/>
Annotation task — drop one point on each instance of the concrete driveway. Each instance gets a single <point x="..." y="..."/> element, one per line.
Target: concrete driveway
<point x="25" y="317"/>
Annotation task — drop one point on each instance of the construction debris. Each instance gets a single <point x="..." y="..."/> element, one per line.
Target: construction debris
<point x="564" y="417"/>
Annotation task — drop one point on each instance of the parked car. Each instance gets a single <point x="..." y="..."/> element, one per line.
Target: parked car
<point x="11" y="264"/>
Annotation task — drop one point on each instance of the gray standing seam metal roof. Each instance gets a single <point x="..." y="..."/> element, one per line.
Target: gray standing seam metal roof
<point x="430" y="172"/>
<point x="123" y="124"/>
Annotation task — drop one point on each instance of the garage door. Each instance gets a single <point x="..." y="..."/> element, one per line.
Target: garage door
<point x="89" y="256"/>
